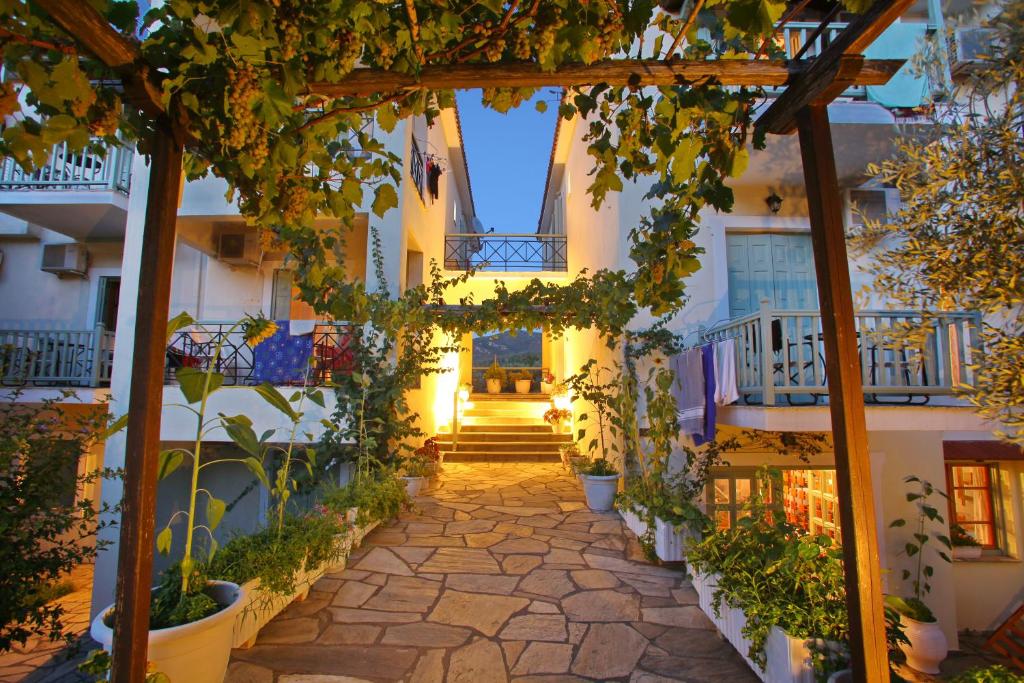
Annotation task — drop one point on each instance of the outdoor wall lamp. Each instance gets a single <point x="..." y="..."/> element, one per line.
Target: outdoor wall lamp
<point x="774" y="202"/>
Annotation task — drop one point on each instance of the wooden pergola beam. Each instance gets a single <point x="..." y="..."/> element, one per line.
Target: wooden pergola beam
<point x="838" y="67"/>
<point x="616" y="72"/>
<point x="94" y="33"/>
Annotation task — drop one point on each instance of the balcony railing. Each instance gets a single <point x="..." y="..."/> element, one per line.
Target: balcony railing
<point x="798" y="39"/>
<point x="70" y="358"/>
<point x="505" y="252"/>
<point x="67" y="170"/>
<point x="905" y="356"/>
<point x="281" y="360"/>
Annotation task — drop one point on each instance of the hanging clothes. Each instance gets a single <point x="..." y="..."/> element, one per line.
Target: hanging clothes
<point x="707" y="357"/>
<point x="688" y="390"/>
<point x="434" y="179"/>
<point x="726" y="392"/>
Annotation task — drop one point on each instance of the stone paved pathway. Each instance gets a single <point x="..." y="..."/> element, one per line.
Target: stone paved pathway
<point x="500" y="573"/>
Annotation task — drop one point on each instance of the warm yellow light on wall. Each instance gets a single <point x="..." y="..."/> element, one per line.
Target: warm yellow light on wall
<point x="562" y="401"/>
<point x="445" y="390"/>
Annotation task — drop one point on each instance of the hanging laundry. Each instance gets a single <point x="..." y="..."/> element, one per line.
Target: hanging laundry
<point x="434" y="179"/>
<point x="688" y="390"/>
<point x="707" y="357"/>
<point x="726" y="392"/>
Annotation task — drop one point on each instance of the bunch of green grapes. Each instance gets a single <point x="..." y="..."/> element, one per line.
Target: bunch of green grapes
<point x="245" y="132"/>
<point x="295" y="201"/>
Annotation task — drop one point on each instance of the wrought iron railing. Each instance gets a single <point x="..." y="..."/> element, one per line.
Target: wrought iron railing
<point x="506" y="252"/>
<point x="316" y="357"/>
<point x="68" y="170"/>
<point x="73" y="358"/>
<point x="416" y="169"/>
<point x="905" y="356"/>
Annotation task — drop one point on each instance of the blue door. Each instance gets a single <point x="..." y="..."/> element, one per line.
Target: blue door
<point x="777" y="267"/>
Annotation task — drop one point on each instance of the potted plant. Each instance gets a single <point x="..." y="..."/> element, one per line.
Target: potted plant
<point x="557" y="418"/>
<point x="600" y="482"/>
<point x="495" y="376"/>
<point x="414" y="473"/>
<point x="965" y="546"/>
<point x="523" y="381"/>
<point x="431" y="452"/>
<point x="547" y="382"/>
<point x="926" y="646"/>
<point x="192" y="618"/>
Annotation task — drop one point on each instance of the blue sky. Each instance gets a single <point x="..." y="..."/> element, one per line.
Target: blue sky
<point x="508" y="159"/>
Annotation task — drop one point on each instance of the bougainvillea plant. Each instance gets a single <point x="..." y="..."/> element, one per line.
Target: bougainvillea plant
<point x="262" y="90"/>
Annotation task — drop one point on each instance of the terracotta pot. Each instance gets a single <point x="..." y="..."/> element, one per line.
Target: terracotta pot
<point x="494" y="386"/>
<point x="191" y="653"/>
<point x="928" y="646"/>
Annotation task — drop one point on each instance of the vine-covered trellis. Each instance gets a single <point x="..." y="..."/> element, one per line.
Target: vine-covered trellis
<point x="271" y="95"/>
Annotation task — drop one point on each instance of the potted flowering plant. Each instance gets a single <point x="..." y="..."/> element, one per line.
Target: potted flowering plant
<point x="965" y="546"/>
<point x="557" y="417"/>
<point x="523" y="380"/>
<point x="430" y="452"/>
<point x="414" y="472"/>
<point x="495" y="376"/>
<point x="547" y="382"/>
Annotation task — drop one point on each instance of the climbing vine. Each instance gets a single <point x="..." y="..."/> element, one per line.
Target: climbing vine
<point x="258" y="88"/>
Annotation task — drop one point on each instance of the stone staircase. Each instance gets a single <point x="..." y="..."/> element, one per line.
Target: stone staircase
<point x="497" y="429"/>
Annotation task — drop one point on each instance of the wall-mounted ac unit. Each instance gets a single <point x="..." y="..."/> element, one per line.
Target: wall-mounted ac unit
<point x="65" y="259"/>
<point x="874" y="203"/>
<point x="967" y="47"/>
<point x="238" y="247"/>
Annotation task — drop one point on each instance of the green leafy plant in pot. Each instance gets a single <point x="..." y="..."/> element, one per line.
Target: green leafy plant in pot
<point x="414" y="472"/>
<point x="523" y="381"/>
<point x="189" y="613"/>
<point x="496" y="377"/>
<point x="600" y="482"/>
<point x="927" y="645"/>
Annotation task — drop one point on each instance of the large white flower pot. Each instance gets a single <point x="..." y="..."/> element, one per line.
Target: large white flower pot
<point x="192" y="653"/>
<point x="670" y="540"/>
<point x="546" y="388"/>
<point x="523" y="386"/>
<point x="260" y="606"/>
<point x="600" y="491"/>
<point x="413" y="485"/>
<point x="966" y="552"/>
<point x="928" y="646"/>
<point x="634" y="520"/>
<point x="494" y="386"/>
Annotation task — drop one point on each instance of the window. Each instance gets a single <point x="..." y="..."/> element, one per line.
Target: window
<point x="776" y="267"/>
<point x="971" y="500"/>
<point x="810" y="501"/>
<point x="729" y="492"/>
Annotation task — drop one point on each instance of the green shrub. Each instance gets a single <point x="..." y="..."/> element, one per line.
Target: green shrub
<point x="988" y="674"/>
<point x="379" y="497"/>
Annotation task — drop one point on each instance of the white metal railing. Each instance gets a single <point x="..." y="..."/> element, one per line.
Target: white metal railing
<point x="905" y="356"/>
<point x="81" y="358"/>
<point x="794" y="36"/>
<point x="69" y="170"/>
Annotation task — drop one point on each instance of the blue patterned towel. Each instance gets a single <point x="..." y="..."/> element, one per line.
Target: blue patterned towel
<point x="282" y="359"/>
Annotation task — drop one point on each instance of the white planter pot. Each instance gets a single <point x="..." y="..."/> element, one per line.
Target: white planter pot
<point x="346" y="473"/>
<point x="670" y="541"/>
<point x="360" y="532"/>
<point x="788" y="659"/>
<point x="966" y="552"/>
<point x="546" y="388"/>
<point x="494" y="386"/>
<point x="413" y="485"/>
<point x="259" y="608"/>
<point x="523" y="386"/>
<point x="634" y="520"/>
<point x="928" y="646"/>
<point x="600" y="491"/>
<point x="190" y="653"/>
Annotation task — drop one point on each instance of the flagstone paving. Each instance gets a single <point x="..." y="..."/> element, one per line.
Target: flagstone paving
<point x="500" y="573"/>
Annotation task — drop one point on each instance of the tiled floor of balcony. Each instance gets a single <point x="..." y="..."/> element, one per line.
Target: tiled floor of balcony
<point x="499" y="573"/>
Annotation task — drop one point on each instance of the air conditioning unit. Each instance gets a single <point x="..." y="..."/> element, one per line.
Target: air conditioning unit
<point x="874" y="203"/>
<point x="239" y="247"/>
<point x="65" y="259"/>
<point x="968" y="47"/>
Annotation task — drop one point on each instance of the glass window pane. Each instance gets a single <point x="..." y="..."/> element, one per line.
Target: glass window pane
<point x="970" y="476"/>
<point x="722" y="519"/>
<point x="972" y="505"/>
<point x="981" y="532"/>
<point x="722" y="491"/>
<point x="743" y="488"/>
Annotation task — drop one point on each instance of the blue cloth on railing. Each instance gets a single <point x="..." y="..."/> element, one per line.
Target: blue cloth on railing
<point x="707" y="357"/>
<point x="688" y="390"/>
<point x="906" y="88"/>
<point x="282" y="359"/>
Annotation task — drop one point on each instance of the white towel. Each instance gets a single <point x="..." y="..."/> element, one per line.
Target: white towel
<point x="725" y="373"/>
<point x="298" y="328"/>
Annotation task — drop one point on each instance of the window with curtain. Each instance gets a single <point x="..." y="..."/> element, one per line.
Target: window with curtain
<point x="972" y="499"/>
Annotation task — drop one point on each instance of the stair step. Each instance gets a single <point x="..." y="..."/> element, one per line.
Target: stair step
<point x="489" y="456"/>
<point x="496" y="435"/>
<point x="508" y="446"/>
<point x="504" y="428"/>
<point x="509" y="397"/>
<point x="472" y="421"/>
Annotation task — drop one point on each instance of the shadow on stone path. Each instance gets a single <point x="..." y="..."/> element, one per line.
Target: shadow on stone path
<point x="499" y="573"/>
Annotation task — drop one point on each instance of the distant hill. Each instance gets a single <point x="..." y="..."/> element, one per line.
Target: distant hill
<point x="522" y="350"/>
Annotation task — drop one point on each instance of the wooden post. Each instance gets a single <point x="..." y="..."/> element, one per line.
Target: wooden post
<point x="142" y="441"/>
<point x="869" y="658"/>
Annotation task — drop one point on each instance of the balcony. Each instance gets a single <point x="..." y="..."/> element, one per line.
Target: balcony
<point x="56" y="358"/>
<point x="533" y="252"/>
<point x="284" y="359"/>
<point x="906" y="357"/>
<point x="804" y="40"/>
<point x="83" y="194"/>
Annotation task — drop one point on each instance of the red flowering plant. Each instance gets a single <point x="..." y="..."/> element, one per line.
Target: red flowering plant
<point x="556" y="415"/>
<point x="429" y="450"/>
<point x="548" y="377"/>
